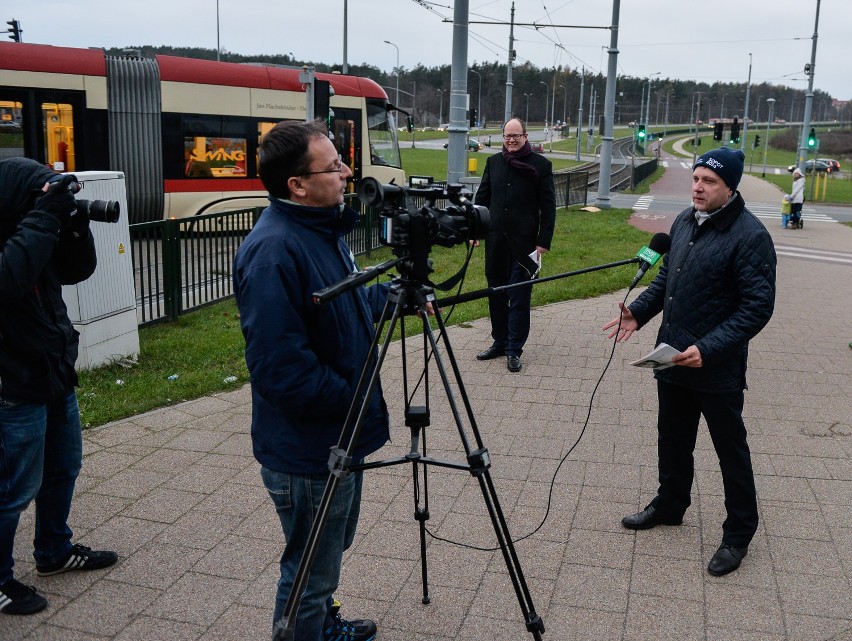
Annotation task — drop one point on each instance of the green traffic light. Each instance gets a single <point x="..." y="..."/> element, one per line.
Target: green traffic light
<point x="812" y="138"/>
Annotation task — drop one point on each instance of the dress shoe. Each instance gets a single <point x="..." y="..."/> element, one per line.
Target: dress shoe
<point x="648" y="518"/>
<point x="492" y="352"/>
<point x="727" y="559"/>
<point x="513" y="363"/>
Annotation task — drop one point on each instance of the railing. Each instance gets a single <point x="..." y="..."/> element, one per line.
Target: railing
<point x="185" y="263"/>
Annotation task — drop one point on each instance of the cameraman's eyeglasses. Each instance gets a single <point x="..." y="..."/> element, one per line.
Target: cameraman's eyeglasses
<point x="338" y="169"/>
<point x="513" y="136"/>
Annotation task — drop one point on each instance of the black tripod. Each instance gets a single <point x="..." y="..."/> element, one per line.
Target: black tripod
<point x="408" y="297"/>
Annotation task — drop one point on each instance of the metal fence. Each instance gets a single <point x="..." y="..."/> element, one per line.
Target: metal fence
<point x="185" y="263"/>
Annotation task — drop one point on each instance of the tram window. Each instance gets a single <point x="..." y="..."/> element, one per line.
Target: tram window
<point x="58" y="124"/>
<point x="208" y="157"/>
<point x="11" y="134"/>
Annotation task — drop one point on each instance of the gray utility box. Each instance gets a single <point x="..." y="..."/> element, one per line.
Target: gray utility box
<point x="103" y="307"/>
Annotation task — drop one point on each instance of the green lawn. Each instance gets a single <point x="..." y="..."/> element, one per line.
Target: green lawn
<point x="203" y="349"/>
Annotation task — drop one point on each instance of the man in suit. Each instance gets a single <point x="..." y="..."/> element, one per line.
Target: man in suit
<point x="517" y="188"/>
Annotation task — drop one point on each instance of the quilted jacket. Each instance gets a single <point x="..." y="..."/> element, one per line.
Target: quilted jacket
<point x="716" y="290"/>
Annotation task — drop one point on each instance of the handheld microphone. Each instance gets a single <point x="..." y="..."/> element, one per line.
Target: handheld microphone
<point x="650" y="254"/>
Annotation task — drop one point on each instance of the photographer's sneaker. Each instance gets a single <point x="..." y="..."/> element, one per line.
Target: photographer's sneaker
<point x="17" y="598"/>
<point x="80" y="558"/>
<point x="339" y="629"/>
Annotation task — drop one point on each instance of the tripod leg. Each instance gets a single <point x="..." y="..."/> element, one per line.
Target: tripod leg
<point x="479" y="461"/>
<point x="284" y="628"/>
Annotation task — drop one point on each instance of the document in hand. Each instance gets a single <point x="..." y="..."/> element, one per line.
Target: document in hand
<point x="659" y="358"/>
<point x="536" y="258"/>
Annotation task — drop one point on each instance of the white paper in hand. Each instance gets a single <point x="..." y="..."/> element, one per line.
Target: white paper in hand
<point x="659" y="358"/>
<point x="536" y="258"/>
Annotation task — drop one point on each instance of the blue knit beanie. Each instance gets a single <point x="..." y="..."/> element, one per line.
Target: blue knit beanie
<point x="726" y="162"/>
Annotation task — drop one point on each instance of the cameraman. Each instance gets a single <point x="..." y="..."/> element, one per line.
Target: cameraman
<point x="42" y="247"/>
<point x="305" y="361"/>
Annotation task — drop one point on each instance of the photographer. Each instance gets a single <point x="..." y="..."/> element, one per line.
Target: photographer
<point x="42" y="247"/>
<point x="305" y="360"/>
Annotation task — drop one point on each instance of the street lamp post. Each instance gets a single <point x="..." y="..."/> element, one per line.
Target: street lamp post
<point x="648" y="101"/>
<point x="564" y="109"/>
<point x="388" y="42"/>
<point x="440" y="107"/>
<point x="527" y="116"/>
<point x="546" y="95"/>
<point x="771" y="103"/>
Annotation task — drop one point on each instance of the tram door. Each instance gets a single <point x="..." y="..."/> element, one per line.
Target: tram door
<point x="40" y="125"/>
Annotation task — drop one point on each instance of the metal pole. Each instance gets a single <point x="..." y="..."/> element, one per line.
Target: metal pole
<point x="809" y="100"/>
<point x="388" y="42"/>
<point x="527" y="116"/>
<point x="440" y="107"/>
<point x="218" y="46"/>
<point x="580" y="116"/>
<point x="666" y="123"/>
<point x="771" y="103"/>
<point x="565" y="110"/>
<point x="609" y="113"/>
<point x="478" y="103"/>
<point x="507" y="112"/>
<point x="552" y="111"/>
<point x="457" y="156"/>
<point x="345" y="67"/>
<point x="546" y="94"/>
<point x="745" y="116"/>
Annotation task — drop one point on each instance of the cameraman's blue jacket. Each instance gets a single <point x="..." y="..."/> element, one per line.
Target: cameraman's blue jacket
<point x="305" y="359"/>
<point x="716" y="290"/>
<point x="40" y="253"/>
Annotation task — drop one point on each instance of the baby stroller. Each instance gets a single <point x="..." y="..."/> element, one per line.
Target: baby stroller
<point x="786" y="206"/>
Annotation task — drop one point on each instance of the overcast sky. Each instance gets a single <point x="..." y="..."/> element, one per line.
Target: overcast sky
<point x="686" y="39"/>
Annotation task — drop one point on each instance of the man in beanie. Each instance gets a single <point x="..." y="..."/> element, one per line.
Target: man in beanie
<point x="716" y="290"/>
<point x="517" y="187"/>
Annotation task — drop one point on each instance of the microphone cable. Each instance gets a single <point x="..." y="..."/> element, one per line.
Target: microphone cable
<point x="470" y="546"/>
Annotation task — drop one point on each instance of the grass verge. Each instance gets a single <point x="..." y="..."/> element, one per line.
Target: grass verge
<point x="204" y="348"/>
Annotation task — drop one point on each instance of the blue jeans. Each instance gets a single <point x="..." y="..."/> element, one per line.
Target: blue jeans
<point x="297" y="501"/>
<point x="41" y="452"/>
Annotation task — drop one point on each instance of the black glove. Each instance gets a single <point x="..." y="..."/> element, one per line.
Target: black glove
<point x="60" y="203"/>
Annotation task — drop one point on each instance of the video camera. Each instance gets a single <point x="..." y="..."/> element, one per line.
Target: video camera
<point x="101" y="211"/>
<point x="412" y="230"/>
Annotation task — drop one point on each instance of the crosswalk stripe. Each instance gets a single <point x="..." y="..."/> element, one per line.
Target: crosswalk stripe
<point x="685" y="165"/>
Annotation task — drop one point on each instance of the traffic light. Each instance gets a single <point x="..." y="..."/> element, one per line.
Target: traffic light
<point x="756" y="142"/>
<point x="735" y="131"/>
<point x="640" y="132"/>
<point x="14" y="30"/>
<point x="718" y="131"/>
<point x="812" y="139"/>
<point x="473" y="117"/>
<point x="322" y="100"/>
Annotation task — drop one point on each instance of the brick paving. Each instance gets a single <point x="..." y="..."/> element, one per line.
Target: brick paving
<point x="177" y="493"/>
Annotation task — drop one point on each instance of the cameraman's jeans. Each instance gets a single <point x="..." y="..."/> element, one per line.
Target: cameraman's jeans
<point x="297" y="501"/>
<point x="41" y="450"/>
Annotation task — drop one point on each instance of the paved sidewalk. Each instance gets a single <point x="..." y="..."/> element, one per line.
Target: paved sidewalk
<point x="177" y="493"/>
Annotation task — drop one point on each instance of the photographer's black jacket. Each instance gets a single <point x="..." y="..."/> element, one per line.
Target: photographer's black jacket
<point x="38" y="344"/>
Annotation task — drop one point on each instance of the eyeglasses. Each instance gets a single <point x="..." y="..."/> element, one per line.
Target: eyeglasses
<point x="335" y="170"/>
<point x="513" y="136"/>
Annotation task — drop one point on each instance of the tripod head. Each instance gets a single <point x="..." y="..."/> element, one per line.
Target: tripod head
<point x="412" y="229"/>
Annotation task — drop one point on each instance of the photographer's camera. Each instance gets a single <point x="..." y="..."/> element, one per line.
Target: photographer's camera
<point x="101" y="211"/>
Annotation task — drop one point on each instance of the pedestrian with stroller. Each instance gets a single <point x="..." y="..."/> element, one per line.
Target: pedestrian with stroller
<point x="797" y="198"/>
